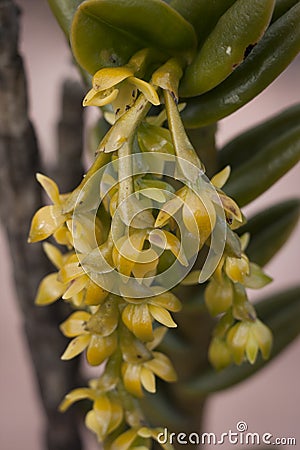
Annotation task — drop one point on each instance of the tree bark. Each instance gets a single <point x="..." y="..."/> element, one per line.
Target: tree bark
<point x="20" y="198"/>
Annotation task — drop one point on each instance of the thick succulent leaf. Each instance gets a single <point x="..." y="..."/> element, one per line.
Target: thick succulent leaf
<point x="281" y="7"/>
<point x="266" y="167"/>
<point x="227" y="46"/>
<point x="64" y="11"/>
<point x="274" y="52"/>
<point x="243" y="147"/>
<point x="281" y="313"/>
<point x="270" y="229"/>
<point x="203" y="15"/>
<point x="106" y="33"/>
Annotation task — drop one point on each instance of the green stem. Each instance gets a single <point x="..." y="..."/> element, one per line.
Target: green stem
<point x="183" y="147"/>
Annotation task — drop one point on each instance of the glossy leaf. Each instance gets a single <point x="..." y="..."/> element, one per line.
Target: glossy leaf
<point x="202" y="14"/>
<point x="274" y="52"/>
<point x="229" y="43"/>
<point x="244" y="146"/>
<point x="281" y="313"/>
<point x="64" y="11"/>
<point x="266" y="167"/>
<point x="270" y="229"/>
<point x="281" y="7"/>
<point x="106" y="33"/>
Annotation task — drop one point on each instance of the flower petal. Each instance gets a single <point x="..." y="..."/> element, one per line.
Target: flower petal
<point x="50" y="290"/>
<point x="50" y="187"/>
<point x="100" y="348"/>
<point x="162" y="367"/>
<point x="168" y="241"/>
<point x="237" y="338"/>
<point x="53" y="254"/>
<point x="70" y="271"/>
<point x="221" y="178"/>
<point x="101" y="98"/>
<point x="75" y="324"/>
<point x="76" y="346"/>
<point x="147" y="89"/>
<point x="110" y="76"/>
<point x="148" y="379"/>
<point x="166" y="300"/>
<point x="124" y="441"/>
<point x="102" y="409"/>
<point x="138" y="320"/>
<point x="168" y="210"/>
<point x="45" y="222"/>
<point x="162" y="316"/>
<point x="159" y="334"/>
<point x="116" y="416"/>
<point x="75" y="287"/>
<point x="251" y="349"/>
<point x="94" y="294"/>
<point x="237" y="268"/>
<point x="257" y="278"/>
<point x="230" y="207"/>
<point x="75" y="396"/>
<point x="218" y="296"/>
<point x="263" y="336"/>
<point x="131" y="377"/>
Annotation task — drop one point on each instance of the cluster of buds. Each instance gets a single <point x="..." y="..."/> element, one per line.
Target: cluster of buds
<point x="132" y="234"/>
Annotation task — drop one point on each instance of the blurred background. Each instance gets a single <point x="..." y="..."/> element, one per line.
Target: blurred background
<point x="268" y="402"/>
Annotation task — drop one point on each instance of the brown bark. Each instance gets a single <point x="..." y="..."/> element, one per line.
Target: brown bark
<point x="20" y="198"/>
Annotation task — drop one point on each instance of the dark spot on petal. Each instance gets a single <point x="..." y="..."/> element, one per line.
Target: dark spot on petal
<point x="127" y="107"/>
<point x="118" y="110"/>
<point x="113" y="59"/>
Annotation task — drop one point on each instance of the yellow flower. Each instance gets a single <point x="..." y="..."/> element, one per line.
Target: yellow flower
<point x="70" y="282"/>
<point x="119" y="86"/>
<point x="96" y="332"/>
<point x="141" y="363"/>
<point x="233" y="213"/>
<point x="218" y="296"/>
<point x="246" y="338"/>
<point x="198" y="214"/>
<point x="48" y="219"/>
<point x="129" y="256"/>
<point x="219" y="353"/>
<point x="138" y="314"/>
<point x="107" y="412"/>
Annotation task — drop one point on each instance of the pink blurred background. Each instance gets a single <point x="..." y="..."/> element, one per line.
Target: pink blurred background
<point x="268" y="402"/>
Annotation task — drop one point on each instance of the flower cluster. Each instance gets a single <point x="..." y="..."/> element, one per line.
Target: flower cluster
<point x="129" y="230"/>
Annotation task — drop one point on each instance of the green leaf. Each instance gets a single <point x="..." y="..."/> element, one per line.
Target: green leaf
<point x="274" y="52"/>
<point x="64" y="11"/>
<point x="270" y="229"/>
<point x="202" y="14"/>
<point x="106" y="33"/>
<point x="227" y="46"/>
<point x="281" y="313"/>
<point x="259" y="173"/>
<point x="243" y="147"/>
<point x="281" y="7"/>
